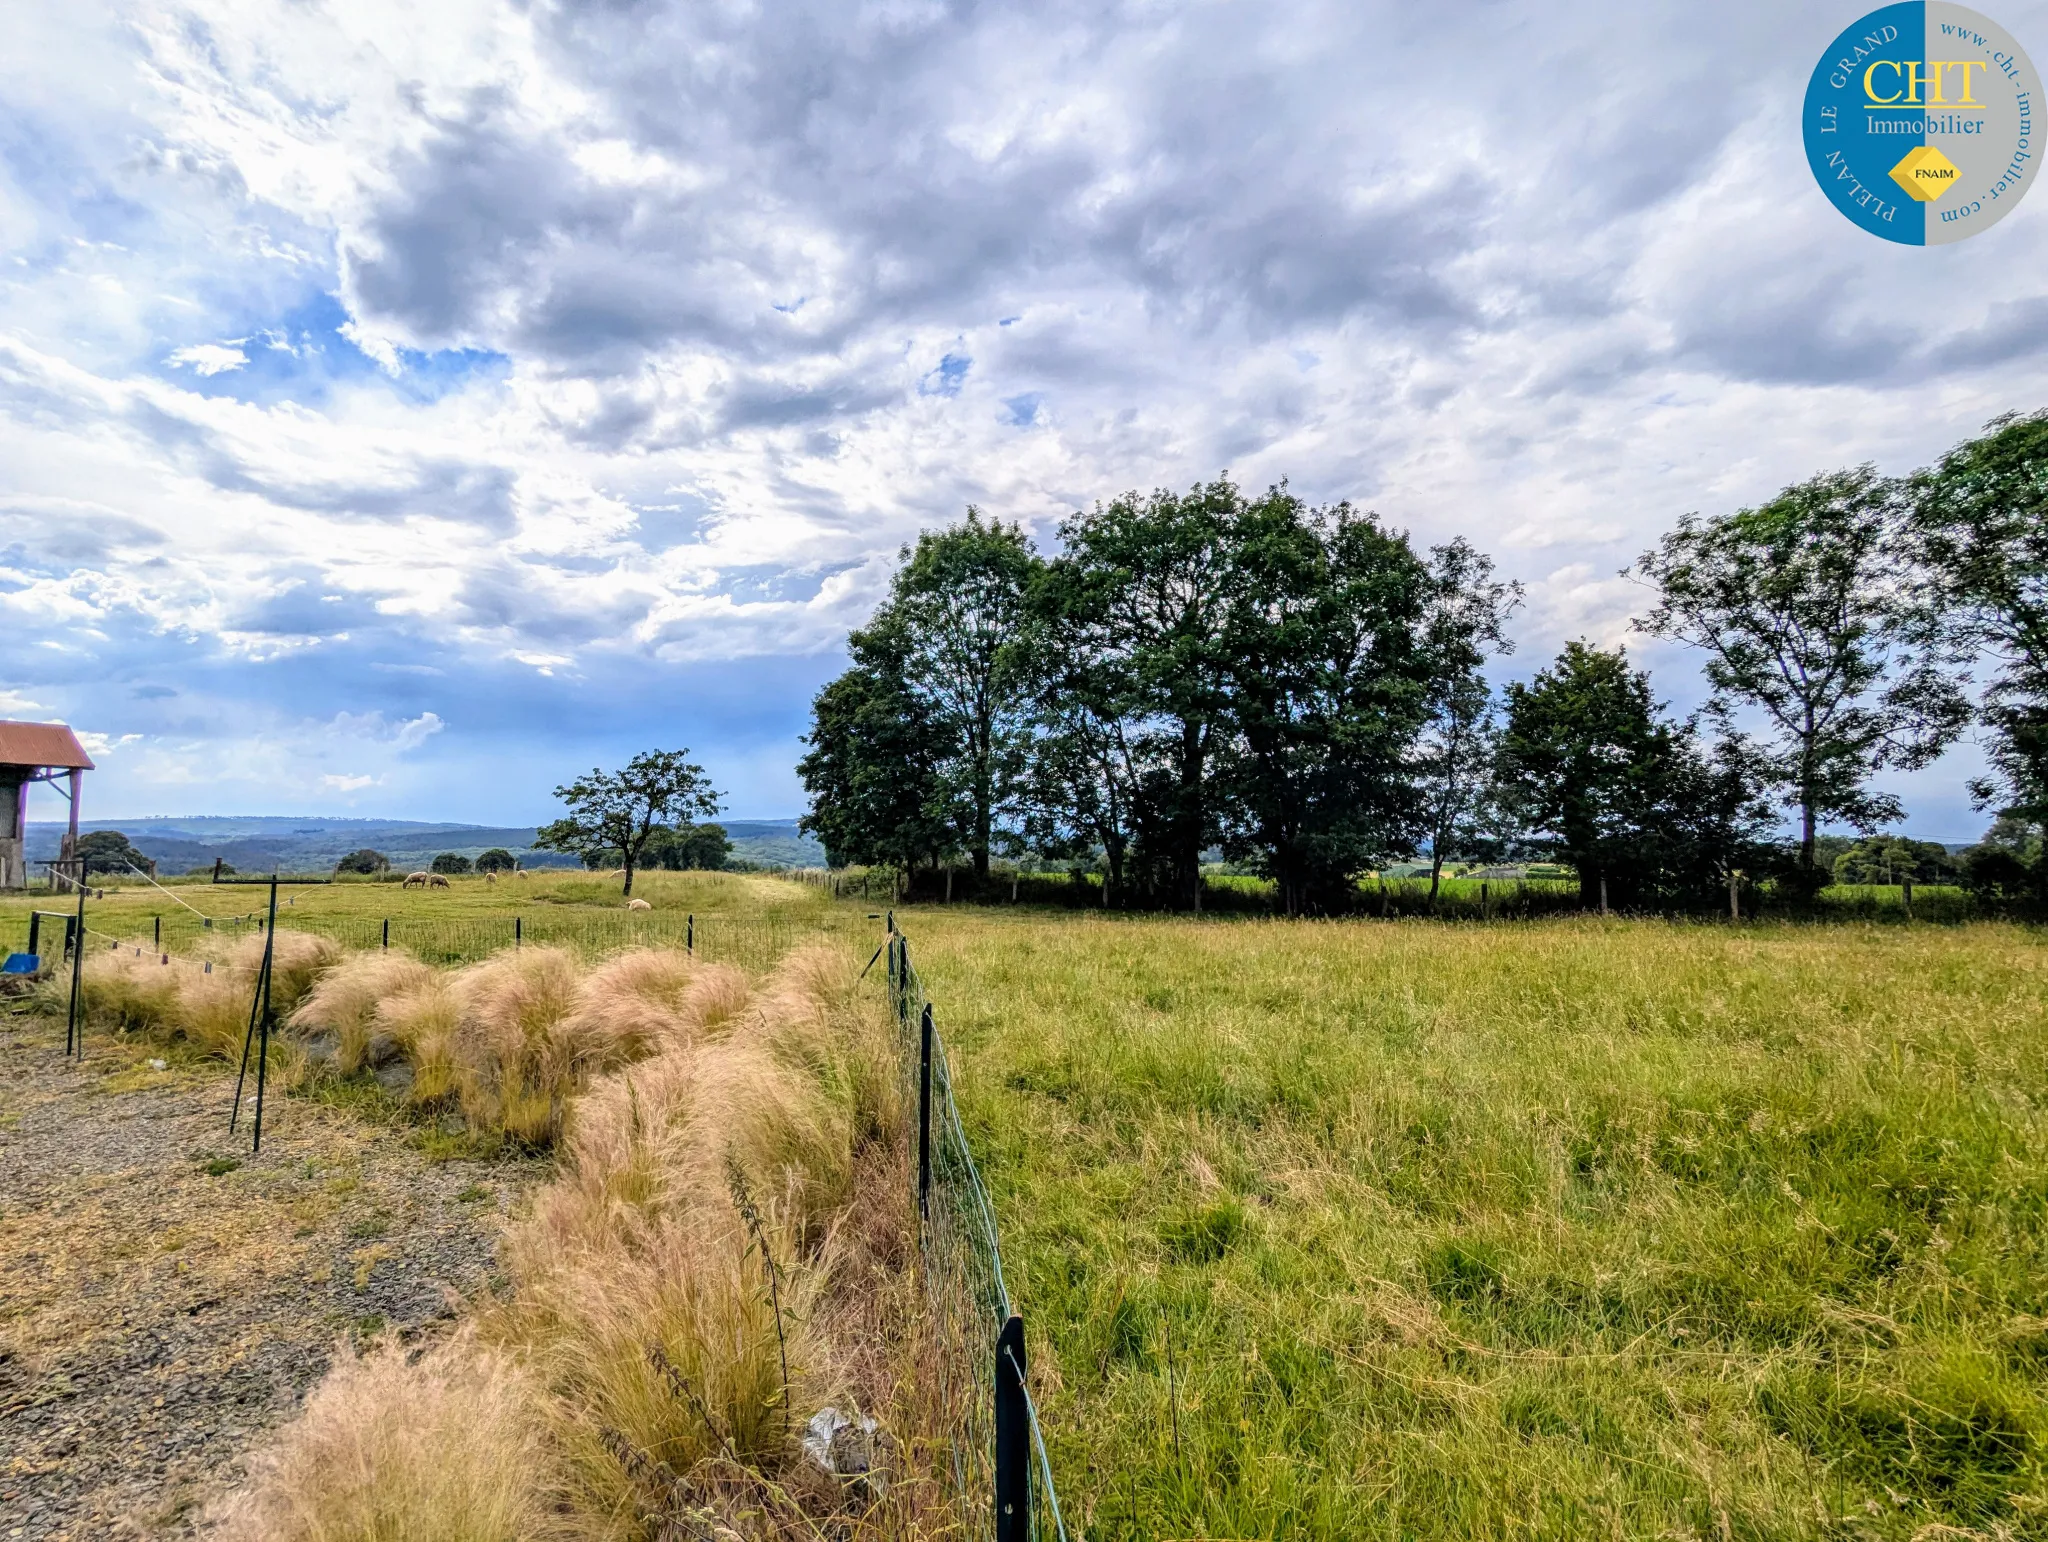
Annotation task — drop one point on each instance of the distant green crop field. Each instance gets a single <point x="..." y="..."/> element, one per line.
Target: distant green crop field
<point x="1564" y="1228"/>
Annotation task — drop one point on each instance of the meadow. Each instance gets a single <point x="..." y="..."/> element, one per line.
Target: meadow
<point x="1565" y="1228"/>
<point x="1436" y="1229"/>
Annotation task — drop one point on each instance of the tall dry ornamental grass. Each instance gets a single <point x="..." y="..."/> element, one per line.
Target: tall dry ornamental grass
<point x="671" y="1280"/>
<point x="447" y="1447"/>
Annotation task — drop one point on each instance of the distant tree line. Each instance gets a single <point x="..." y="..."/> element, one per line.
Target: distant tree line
<point x="1304" y="690"/>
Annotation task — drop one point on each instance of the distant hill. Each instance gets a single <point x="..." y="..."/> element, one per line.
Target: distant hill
<point x="263" y="844"/>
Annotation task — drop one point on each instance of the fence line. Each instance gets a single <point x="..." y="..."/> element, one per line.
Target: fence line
<point x="1001" y="1475"/>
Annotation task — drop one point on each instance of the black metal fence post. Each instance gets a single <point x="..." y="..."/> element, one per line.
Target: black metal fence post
<point x="35" y="931"/>
<point x="1013" y="1437"/>
<point x="159" y="937"/>
<point x="690" y="934"/>
<point x="924" y="1116"/>
<point x="387" y="931"/>
<point x="74" y="1030"/>
<point x="518" y="932"/>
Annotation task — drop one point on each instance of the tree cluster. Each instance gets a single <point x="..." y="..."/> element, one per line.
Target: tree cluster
<point x="365" y="860"/>
<point x="1302" y="691"/>
<point x="1193" y="671"/>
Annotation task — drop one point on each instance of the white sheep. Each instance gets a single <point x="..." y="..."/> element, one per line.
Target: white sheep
<point x="638" y="904"/>
<point x="421" y="879"/>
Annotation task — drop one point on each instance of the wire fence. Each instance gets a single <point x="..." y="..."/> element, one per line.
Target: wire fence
<point x="994" y="1450"/>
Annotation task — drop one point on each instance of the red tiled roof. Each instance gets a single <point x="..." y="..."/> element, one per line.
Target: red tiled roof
<point x="42" y="744"/>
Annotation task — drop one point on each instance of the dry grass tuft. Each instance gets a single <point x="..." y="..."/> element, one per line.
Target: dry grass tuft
<point x="347" y="1000"/>
<point x="423" y="1022"/>
<point x="443" y="1449"/>
<point x="297" y="960"/>
<point x="515" y="1059"/>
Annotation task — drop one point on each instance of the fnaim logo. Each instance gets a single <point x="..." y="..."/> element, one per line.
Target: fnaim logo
<point x="1920" y="123"/>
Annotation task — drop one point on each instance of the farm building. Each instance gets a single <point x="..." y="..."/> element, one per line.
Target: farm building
<point x="31" y="753"/>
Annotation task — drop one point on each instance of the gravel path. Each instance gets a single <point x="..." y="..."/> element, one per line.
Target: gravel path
<point x="165" y="1297"/>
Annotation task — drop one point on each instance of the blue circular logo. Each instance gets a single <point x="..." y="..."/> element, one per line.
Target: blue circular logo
<point x="1921" y="123"/>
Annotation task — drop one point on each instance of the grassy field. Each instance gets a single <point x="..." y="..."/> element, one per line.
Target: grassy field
<point x="1547" y="1228"/>
<point x="735" y="918"/>
<point x="1555" y="1229"/>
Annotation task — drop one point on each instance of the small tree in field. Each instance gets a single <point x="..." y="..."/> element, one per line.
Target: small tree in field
<point x="619" y="810"/>
<point x="450" y="864"/>
<point x="364" y="860"/>
<point x="496" y="860"/>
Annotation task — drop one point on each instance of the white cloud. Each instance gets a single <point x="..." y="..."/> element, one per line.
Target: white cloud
<point x="443" y="359"/>
<point x="349" y="783"/>
<point x="210" y="358"/>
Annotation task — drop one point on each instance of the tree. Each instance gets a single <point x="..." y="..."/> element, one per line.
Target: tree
<point x="1980" y="516"/>
<point x="1330" y="664"/>
<point x="496" y="860"/>
<point x="1454" y="760"/>
<point x="1597" y="776"/>
<point x="618" y="810"/>
<point x="451" y="863"/>
<point x="1892" y="859"/>
<point x="1145" y="586"/>
<point x="1454" y="767"/>
<point x="872" y="771"/>
<point x="1802" y="611"/>
<point x="703" y="848"/>
<point x="109" y="851"/>
<point x="957" y="606"/>
<point x="364" y="860"/>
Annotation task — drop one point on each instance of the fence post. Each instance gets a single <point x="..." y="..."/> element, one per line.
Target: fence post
<point x="518" y="932"/>
<point x="387" y="931"/>
<point x="1906" y="892"/>
<point x="924" y="1116"/>
<point x="1603" y="894"/>
<point x="1485" y="900"/>
<point x="1013" y="1437"/>
<point x="690" y="934"/>
<point x="73" y="1028"/>
<point x="35" y="931"/>
<point x="159" y="939"/>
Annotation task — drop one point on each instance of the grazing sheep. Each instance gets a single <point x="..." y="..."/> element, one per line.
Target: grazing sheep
<point x="437" y="881"/>
<point x="638" y="904"/>
<point x="491" y="878"/>
<point x="421" y="879"/>
<point x="519" y="873"/>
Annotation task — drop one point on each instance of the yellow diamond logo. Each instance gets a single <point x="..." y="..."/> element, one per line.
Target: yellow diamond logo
<point x="1925" y="173"/>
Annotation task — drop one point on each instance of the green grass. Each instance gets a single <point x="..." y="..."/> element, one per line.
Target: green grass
<point x="1557" y="1229"/>
<point x="738" y="919"/>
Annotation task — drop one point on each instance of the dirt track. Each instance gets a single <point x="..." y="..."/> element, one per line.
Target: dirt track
<point x="165" y="1297"/>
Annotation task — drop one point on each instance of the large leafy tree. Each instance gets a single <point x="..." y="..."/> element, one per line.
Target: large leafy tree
<point x="1145" y="588"/>
<point x="958" y="605"/>
<point x="1330" y="664"/>
<point x="1596" y="775"/>
<point x="1453" y="762"/>
<point x="1084" y="772"/>
<point x="620" y="810"/>
<point x="1981" y="518"/>
<point x="873" y="769"/>
<point x="1801" y="609"/>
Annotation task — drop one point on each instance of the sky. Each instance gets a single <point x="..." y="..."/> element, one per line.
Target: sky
<point x="405" y="408"/>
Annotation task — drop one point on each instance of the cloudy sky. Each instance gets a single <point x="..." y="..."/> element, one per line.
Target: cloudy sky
<point x="404" y="407"/>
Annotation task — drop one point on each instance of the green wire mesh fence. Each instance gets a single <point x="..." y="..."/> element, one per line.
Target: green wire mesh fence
<point x="995" y="1456"/>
